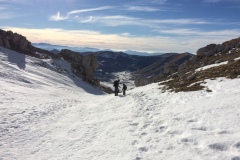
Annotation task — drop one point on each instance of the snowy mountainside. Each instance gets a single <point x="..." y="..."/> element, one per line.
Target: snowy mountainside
<point x="48" y="113"/>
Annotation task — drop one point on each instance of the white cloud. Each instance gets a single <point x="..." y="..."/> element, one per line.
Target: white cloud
<point x="159" y="1"/>
<point x="179" y="21"/>
<point x="7" y="15"/>
<point x="125" y="34"/>
<point x="89" y="19"/>
<point x="195" y="32"/>
<point x="3" y="7"/>
<point x="140" y="8"/>
<point x="211" y="1"/>
<point x="90" y="9"/>
<point x="119" y="20"/>
<point x="58" y="17"/>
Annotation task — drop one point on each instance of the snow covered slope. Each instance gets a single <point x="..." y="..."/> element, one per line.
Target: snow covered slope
<point x="48" y="114"/>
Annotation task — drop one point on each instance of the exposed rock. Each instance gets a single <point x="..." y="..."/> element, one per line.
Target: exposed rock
<point x="15" y="42"/>
<point x="208" y="50"/>
<point x="212" y="49"/>
<point x="83" y="66"/>
<point x="170" y="68"/>
<point x="192" y="77"/>
<point x="1" y="42"/>
<point x="141" y="81"/>
<point x="6" y="43"/>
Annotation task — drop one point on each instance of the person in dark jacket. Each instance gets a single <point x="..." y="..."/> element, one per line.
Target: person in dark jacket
<point x="124" y="89"/>
<point x="116" y="85"/>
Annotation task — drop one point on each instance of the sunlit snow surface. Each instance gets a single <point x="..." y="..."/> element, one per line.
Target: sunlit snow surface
<point x="47" y="113"/>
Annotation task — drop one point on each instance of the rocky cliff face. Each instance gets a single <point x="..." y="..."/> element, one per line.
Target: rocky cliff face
<point x="82" y="66"/>
<point x="14" y="41"/>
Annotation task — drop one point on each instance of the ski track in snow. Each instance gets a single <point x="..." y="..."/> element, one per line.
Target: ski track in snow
<point x="44" y="115"/>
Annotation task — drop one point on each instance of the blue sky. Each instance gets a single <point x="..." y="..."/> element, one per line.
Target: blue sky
<point x="141" y="25"/>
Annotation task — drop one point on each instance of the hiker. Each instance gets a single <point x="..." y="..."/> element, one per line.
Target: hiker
<point x="116" y="85"/>
<point x="124" y="89"/>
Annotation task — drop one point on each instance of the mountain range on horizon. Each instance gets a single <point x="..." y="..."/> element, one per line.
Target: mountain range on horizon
<point x="86" y="50"/>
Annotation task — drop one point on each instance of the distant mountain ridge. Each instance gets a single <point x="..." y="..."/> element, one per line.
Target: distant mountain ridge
<point x="51" y="47"/>
<point x="87" y="50"/>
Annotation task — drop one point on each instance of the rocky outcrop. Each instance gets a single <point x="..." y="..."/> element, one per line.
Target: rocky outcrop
<point x="213" y="49"/>
<point x="82" y="66"/>
<point x="15" y="41"/>
<point x="170" y="68"/>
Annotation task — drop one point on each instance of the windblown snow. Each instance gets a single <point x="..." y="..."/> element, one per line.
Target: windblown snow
<point x="46" y="113"/>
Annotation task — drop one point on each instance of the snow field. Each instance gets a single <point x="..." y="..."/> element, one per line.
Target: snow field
<point x="48" y="113"/>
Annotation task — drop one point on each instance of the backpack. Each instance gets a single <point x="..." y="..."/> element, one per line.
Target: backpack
<point x="115" y="84"/>
<point x="124" y="87"/>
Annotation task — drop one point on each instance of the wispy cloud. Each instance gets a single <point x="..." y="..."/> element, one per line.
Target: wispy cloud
<point x="7" y="15"/>
<point x="90" y="9"/>
<point x="140" y="8"/>
<point x="159" y="1"/>
<point x="179" y="21"/>
<point x="6" y="12"/>
<point x="57" y="17"/>
<point x="211" y="1"/>
<point x="89" y="19"/>
<point x="119" y="20"/>
<point x="196" y="32"/>
<point x="3" y="7"/>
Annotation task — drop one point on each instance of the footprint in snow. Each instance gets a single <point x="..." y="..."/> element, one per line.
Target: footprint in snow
<point x="191" y="120"/>
<point x="218" y="146"/>
<point x="134" y="124"/>
<point x="137" y="158"/>
<point x="200" y="128"/>
<point x="144" y="134"/>
<point x="189" y="140"/>
<point x="224" y="132"/>
<point x="145" y="125"/>
<point x="143" y="149"/>
<point x="134" y="142"/>
<point x="237" y="145"/>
